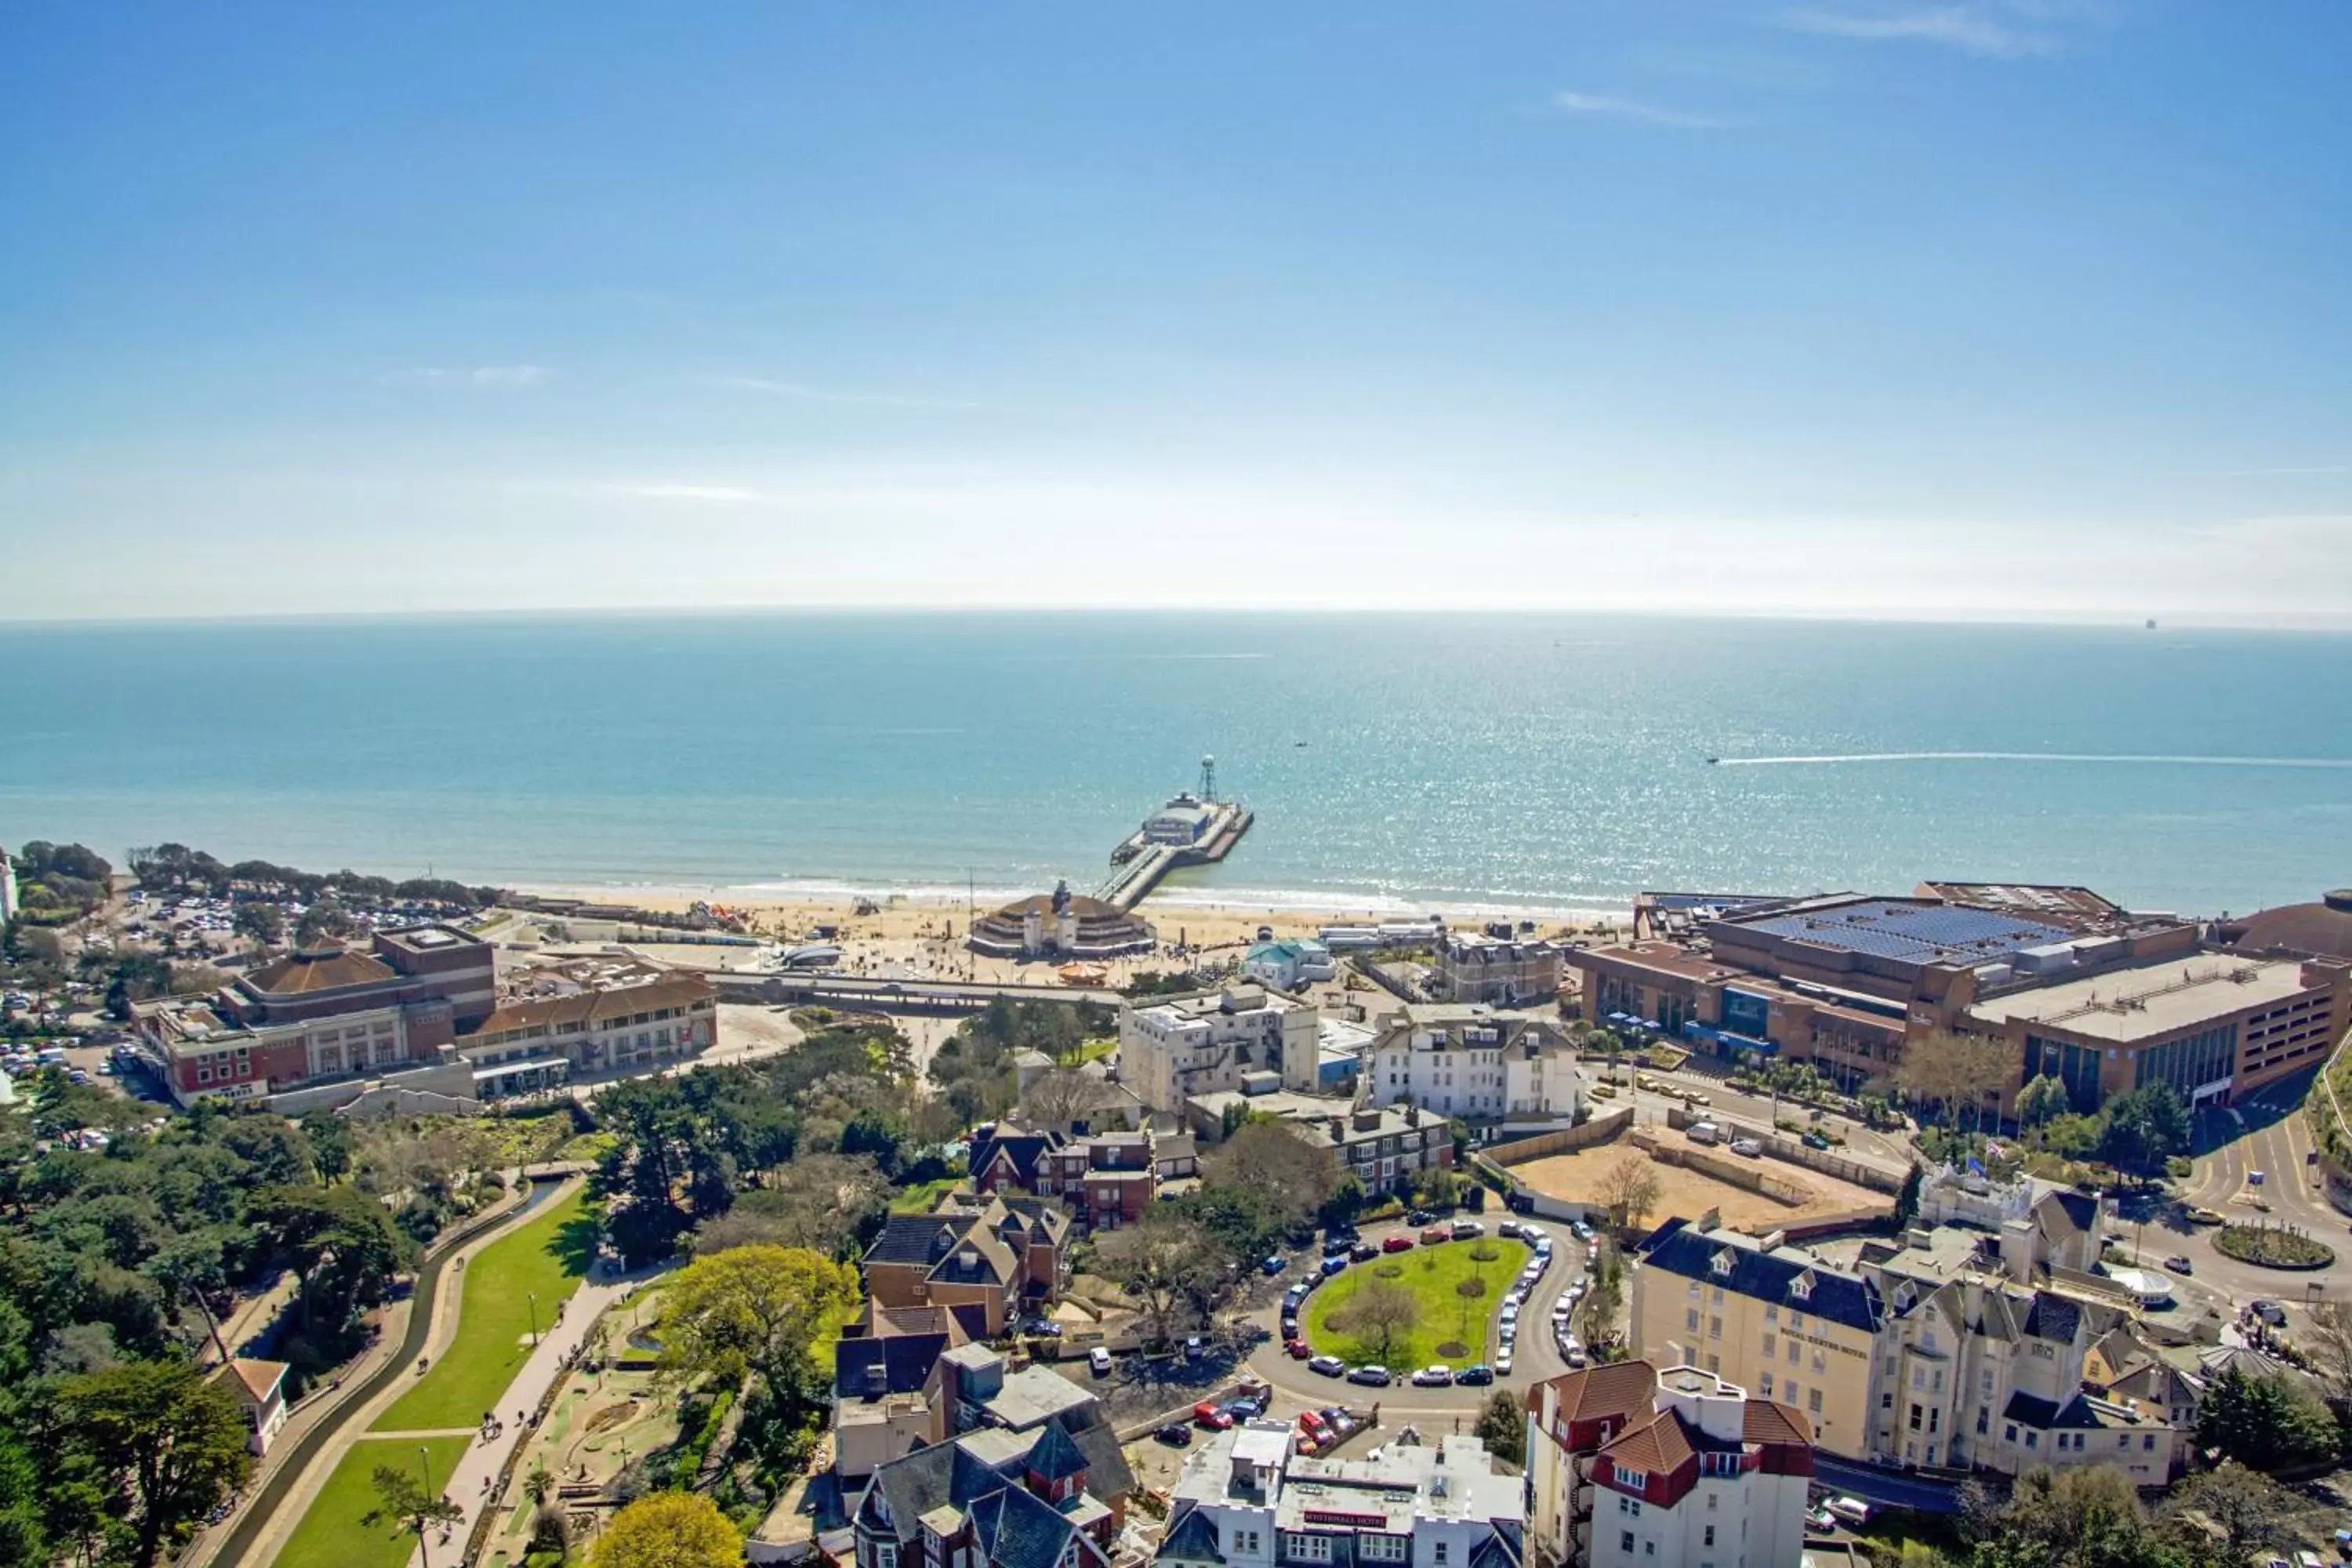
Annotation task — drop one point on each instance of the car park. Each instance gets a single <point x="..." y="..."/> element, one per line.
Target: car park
<point x="1372" y="1375"/>
<point x="1328" y="1365"/>
<point x="1397" y="1243"/>
<point x="1434" y="1377"/>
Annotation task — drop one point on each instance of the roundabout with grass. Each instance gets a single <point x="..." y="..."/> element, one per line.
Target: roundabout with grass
<point x="2271" y="1246"/>
<point x="1407" y="1310"/>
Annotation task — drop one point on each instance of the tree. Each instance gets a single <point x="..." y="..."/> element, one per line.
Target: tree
<point x="1949" y="1070"/>
<point x="2329" y="1341"/>
<point x="1380" y="1311"/>
<point x="755" y="1309"/>
<point x="2252" y="1512"/>
<point x="1288" y="1163"/>
<point x="260" y="922"/>
<point x="168" y="1444"/>
<point x="1628" y="1190"/>
<point x="1907" y="1201"/>
<point x="1503" y="1427"/>
<point x="2144" y="1126"/>
<point x="1167" y="1263"/>
<point x="2265" y="1422"/>
<point x="1060" y="1097"/>
<point x="668" y="1530"/>
<point x="826" y="1203"/>
<point x="2090" y="1516"/>
<point x="405" y="1502"/>
<point x="539" y="1485"/>
<point x="323" y="922"/>
<point x="2041" y="1100"/>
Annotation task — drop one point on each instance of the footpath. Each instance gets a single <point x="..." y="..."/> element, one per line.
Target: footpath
<point x="286" y="1512"/>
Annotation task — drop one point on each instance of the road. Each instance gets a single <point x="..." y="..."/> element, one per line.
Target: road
<point x="2265" y="1132"/>
<point x="1535" y="1357"/>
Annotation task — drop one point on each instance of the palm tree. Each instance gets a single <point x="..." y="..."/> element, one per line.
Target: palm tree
<point x="537" y="1485"/>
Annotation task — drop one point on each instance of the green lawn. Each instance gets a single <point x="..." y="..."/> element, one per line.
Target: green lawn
<point x="546" y="1257"/>
<point x="1446" y="1318"/>
<point x="332" y="1536"/>
<point x="923" y="1197"/>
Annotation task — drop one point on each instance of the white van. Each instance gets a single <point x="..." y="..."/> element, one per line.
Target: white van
<point x="1705" y="1133"/>
<point x="1851" y="1511"/>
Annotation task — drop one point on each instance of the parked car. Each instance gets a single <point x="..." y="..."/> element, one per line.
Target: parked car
<point x="1419" y="1217"/>
<point x="1815" y="1140"/>
<point x="1476" y="1375"/>
<point x="1333" y="1265"/>
<point x="1434" y="1377"/>
<point x="1372" y="1375"/>
<point x="1275" y="1264"/>
<point x="1312" y="1423"/>
<point x="1298" y="1349"/>
<point x="1704" y="1132"/>
<point x="1463" y="1229"/>
<point x="1821" y="1519"/>
<point x="1363" y="1252"/>
<point x="1503" y="1361"/>
<point x="1176" y="1435"/>
<point x="2179" y="1264"/>
<point x="1747" y="1146"/>
<point x="1328" y="1365"/>
<point x="1397" y="1243"/>
<point x="2268" y="1311"/>
<point x="1098" y="1361"/>
<point x="1849" y="1511"/>
<point x="1207" y="1415"/>
<point x="1509" y="1227"/>
<point x="1435" y="1234"/>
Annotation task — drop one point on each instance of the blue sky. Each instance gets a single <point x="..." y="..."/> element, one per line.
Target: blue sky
<point x="1940" y="307"/>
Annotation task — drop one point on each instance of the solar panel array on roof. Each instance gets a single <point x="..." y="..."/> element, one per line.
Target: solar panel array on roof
<point x="1920" y="934"/>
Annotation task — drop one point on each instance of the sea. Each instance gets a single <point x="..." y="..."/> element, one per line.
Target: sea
<point x="1556" y="762"/>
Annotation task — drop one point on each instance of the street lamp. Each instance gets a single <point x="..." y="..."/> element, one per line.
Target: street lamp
<point x="534" y="1319"/>
<point x="424" y="1473"/>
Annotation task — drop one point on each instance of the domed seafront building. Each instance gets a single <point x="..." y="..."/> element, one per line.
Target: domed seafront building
<point x="1060" y="925"/>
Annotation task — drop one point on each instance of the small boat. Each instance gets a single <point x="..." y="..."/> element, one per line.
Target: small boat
<point x="1712" y="761"/>
<point x="1300" y="743"/>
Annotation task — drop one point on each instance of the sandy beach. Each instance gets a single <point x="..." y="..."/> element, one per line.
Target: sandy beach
<point x="920" y="935"/>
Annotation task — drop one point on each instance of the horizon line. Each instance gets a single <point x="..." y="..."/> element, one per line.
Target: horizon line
<point x="2118" y="620"/>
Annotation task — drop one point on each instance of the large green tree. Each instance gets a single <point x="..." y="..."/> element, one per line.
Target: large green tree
<point x="2265" y="1422"/>
<point x="169" y="1443"/>
<point x="757" y="1310"/>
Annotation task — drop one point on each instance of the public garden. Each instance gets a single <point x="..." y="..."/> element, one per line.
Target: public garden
<point x="1408" y="1310"/>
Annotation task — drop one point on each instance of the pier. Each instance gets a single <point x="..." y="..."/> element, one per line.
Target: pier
<point x="1191" y="829"/>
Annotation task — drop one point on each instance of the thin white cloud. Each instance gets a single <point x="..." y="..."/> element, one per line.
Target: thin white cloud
<point x="1602" y="106"/>
<point x="1977" y="29"/>
<point x="727" y="493"/>
<point x="2292" y="469"/>
<point x="805" y="392"/>
<point x="494" y="376"/>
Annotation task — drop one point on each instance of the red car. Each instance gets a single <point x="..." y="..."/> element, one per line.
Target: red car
<point x="1397" y="1243"/>
<point x="1312" y="1423"/>
<point x="1300" y="1350"/>
<point x="1208" y="1415"/>
<point x="1435" y="1234"/>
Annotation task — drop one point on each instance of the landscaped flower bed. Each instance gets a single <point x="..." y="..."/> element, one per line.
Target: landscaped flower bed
<point x="2273" y="1248"/>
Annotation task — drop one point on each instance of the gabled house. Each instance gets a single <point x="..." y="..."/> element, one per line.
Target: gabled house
<point x="260" y="1389"/>
<point x="1002" y="1255"/>
<point x="1045" y="1497"/>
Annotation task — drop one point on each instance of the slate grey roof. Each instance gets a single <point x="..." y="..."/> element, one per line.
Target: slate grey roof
<point x="1108" y="1473"/>
<point x="906" y="1360"/>
<point x="2042" y="1414"/>
<point x="1761" y="1275"/>
<point x="1191" y="1539"/>
<point x="1016" y="1529"/>
<point x="914" y="1238"/>
<point x="1055" y="1456"/>
<point x="2052" y="1318"/>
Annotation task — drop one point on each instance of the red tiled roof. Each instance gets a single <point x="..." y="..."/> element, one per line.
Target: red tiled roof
<point x="1762" y="1421"/>
<point x="1618" y="1390"/>
<point x="1658" y="1447"/>
<point x="258" y="1378"/>
<point x="590" y="1007"/>
<point x="323" y="969"/>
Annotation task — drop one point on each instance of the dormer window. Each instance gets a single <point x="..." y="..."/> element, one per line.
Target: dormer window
<point x="1722" y="1264"/>
<point x="1802" y="1287"/>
